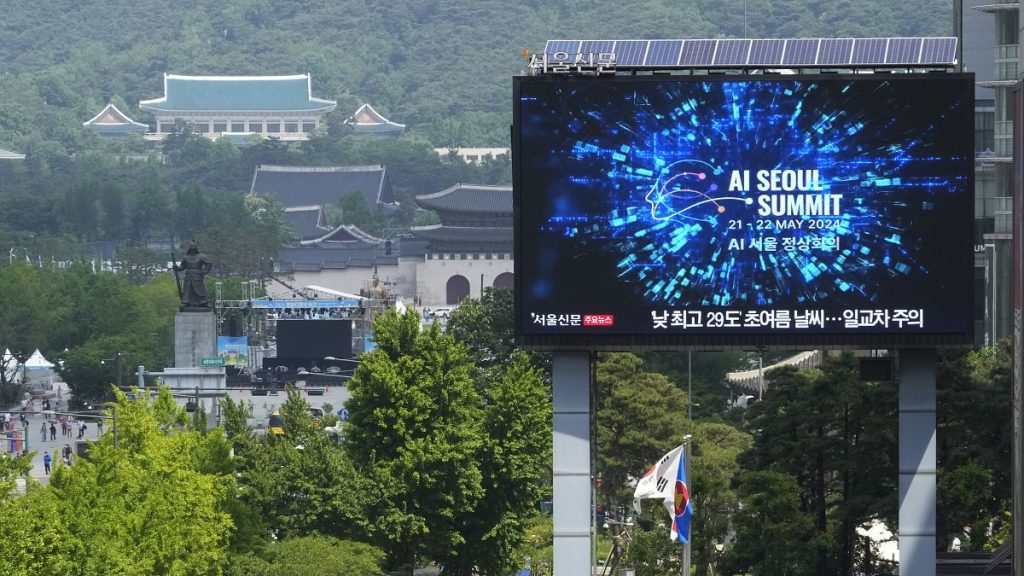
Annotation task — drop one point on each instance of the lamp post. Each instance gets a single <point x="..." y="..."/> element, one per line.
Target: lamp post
<point x="118" y="361"/>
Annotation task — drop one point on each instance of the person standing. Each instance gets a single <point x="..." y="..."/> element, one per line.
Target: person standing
<point x="43" y="430"/>
<point x="99" y="427"/>
<point x="46" y="462"/>
<point x="53" y="432"/>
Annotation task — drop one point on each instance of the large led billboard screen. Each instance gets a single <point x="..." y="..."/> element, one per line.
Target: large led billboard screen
<point x="741" y="211"/>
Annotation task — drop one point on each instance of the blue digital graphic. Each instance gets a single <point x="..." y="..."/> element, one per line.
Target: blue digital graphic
<point x="834" y="195"/>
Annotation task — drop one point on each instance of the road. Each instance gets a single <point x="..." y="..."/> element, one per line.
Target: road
<point x="262" y="407"/>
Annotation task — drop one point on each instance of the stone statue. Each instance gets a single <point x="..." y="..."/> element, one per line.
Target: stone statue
<point x="192" y="289"/>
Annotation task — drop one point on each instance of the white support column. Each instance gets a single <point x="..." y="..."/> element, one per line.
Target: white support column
<point x="571" y="463"/>
<point x="917" y="462"/>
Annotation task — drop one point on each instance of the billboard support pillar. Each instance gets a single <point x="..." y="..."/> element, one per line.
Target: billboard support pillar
<point x="571" y="482"/>
<point x="917" y="462"/>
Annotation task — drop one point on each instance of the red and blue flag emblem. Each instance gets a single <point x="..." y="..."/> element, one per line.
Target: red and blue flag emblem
<point x="682" y="511"/>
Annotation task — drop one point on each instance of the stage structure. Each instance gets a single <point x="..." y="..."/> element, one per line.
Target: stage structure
<point x="255" y="317"/>
<point x="811" y="193"/>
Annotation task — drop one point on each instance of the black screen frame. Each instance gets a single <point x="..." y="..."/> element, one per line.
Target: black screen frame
<point x="753" y="340"/>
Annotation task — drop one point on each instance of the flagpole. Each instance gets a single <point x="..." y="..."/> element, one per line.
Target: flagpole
<point x="687" y="442"/>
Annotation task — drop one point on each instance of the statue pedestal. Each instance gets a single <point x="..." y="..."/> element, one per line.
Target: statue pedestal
<point x="195" y="338"/>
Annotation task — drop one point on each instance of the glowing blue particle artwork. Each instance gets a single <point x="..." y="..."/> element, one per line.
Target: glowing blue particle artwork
<point x="739" y="193"/>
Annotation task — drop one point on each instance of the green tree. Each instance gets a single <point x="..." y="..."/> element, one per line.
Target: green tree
<point x="311" y="556"/>
<point x="303" y="486"/>
<point x="414" y="429"/>
<point x="515" y="462"/>
<point x="355" y="211"/>
<point x="485" y="327"/>
<point x="773" y="535"/>
<point x="148" y="506"/>
<point x="36" y="536"/>
<point x="245" y="236"/>
<point x="640" y="416"/>
<point x="974" y="417"/>
<point x="715" y="452"/>
<point x="836" y="436"/>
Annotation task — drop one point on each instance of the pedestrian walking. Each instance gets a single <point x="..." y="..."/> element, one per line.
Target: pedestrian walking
<point x="99" y="427"/>
<point x="53" y="432"/>
<point x="81" y="431"/>
<point x="43" y="430"/>
<point x="46" y="462"/>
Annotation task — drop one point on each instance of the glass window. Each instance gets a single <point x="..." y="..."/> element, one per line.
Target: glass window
<point x="238" y="126"/>
<point x="984" y="130"/>
<point x="220" y="127"/>
<point x="274" y="127"/>
<point x="256" y="127"/>
<point x="308" y="127"/>
<point x="291" y="127"/>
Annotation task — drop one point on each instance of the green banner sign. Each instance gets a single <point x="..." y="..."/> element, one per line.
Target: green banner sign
<point x="218" y="361"/>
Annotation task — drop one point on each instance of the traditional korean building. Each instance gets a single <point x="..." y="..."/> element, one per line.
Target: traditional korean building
<point x="278" y="106"/>
<point x="112" y="122"/>
<point x="343" y="258"/>
<point x="307" y="222"/>
<point x="8" y="155"/>
<point x="471" y="248"/>
<point x="438" y="265"/>
<point x="474" y="155"/>
<point x="366" y="120"/>
<point x="295" y="186"/>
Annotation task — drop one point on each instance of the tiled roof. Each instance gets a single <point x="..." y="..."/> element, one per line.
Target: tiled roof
<point x="305" y="221"/>
<point x="317" y="257"/>
<point x="227" y="93"/>
<point x="465" y="238"/>
<point x="346" y="233"/>
<point x="463" y="233"/>
<point x="110" y="120"/>
<point x="469" y="198"/>
<point x="317" y="186"/>
<point x="366" y="120"/>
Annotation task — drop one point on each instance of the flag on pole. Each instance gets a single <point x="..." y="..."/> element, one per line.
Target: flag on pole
<point x="681" y="509"/>
<point x="667" y="481"/>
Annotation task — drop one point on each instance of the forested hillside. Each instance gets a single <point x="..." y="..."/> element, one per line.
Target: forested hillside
<point x="441" y="66"/>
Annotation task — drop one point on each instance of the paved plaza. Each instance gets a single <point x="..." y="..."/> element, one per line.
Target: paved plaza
<point x="262" y="407"/>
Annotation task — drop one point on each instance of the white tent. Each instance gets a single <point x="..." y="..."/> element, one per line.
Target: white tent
<point x="37" y="362"/>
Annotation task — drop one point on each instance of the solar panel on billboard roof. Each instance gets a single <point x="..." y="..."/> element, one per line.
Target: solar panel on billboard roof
<point x="697" y="52"/>
<point x="732" y="52"/>
<point x="765" y="51"/>
<point x="801" y="52"/>
<point x="596" y="46"/>
<point x="562" y="46"/>
<point x="904" y="51"/>
<point x="869" y="50"/>
<point x="630" y="52"/>
<point x="663" y="53"/>
<point x="835" y="51"/>
<point x="938" y="51"/>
